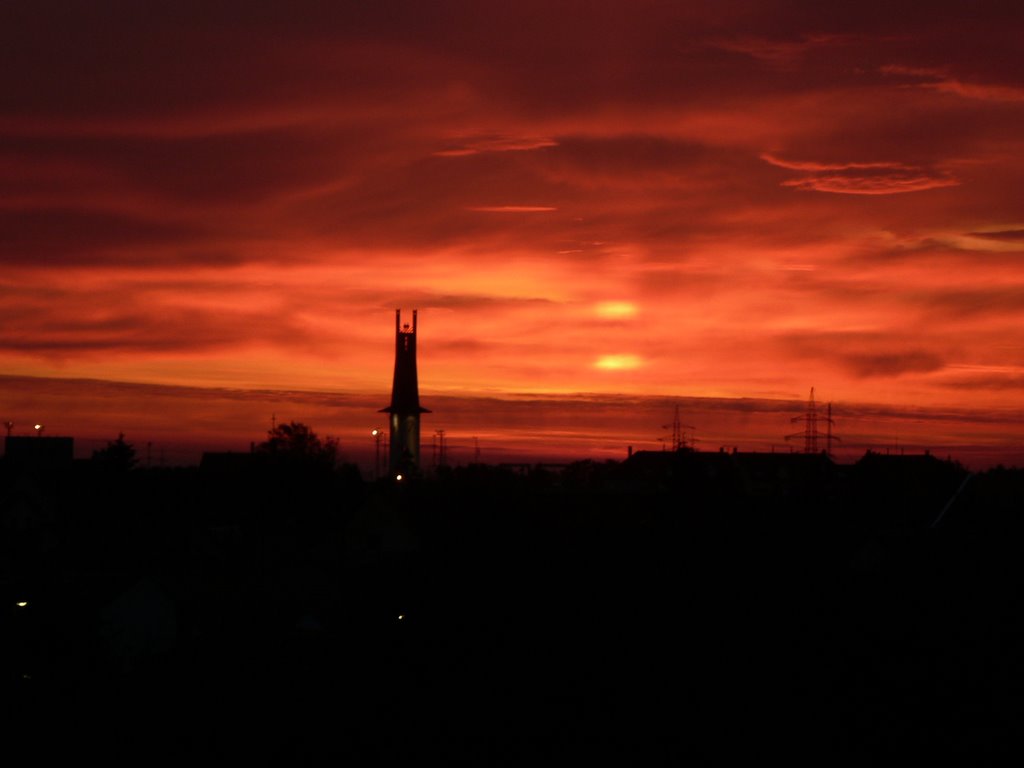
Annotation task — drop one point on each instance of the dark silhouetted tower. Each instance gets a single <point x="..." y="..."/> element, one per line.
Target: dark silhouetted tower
<point x="810" y="433"/>
<point x="405" y="410"/>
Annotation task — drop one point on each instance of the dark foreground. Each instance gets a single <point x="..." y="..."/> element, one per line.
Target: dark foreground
<point x="498" y="618"/>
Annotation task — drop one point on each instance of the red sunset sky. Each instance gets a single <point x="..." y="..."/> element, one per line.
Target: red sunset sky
<point x="210" y="211"/>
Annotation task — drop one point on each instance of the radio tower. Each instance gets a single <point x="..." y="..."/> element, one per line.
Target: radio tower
<point x="810" y="433"/>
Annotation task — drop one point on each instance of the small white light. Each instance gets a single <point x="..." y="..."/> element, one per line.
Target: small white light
<point x="375" y="432"/>
<point x="21" y="604"/>
<point x="398" y="477"/>
<point x="401" y="616"/>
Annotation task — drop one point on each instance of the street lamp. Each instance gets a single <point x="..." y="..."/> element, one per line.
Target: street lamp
<point x="39" y="429"/>
<point x="376" y="466"/>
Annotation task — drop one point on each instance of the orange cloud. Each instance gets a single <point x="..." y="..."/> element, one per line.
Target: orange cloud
<point x="202" y="201"/>
<point x="511" y="208"/>
<point x="497" y="144"/>
<point x="862" y="178"/>
<point x="876" y="184"/>
<point x="937" y="79"/>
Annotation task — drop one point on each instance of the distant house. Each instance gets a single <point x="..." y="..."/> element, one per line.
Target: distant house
<point x="785" y="474"/>
<point x="912" y="488"/>
<point x="34" y="472"/>
<point x="753" y="475"/>
<point x="228" y="462"/>
<point x="39" y="453"/>
<point x="671" y="469"/>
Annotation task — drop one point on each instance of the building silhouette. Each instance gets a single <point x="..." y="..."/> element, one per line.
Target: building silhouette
<point x="38" y="452"/>
<point x="405" y="409"/>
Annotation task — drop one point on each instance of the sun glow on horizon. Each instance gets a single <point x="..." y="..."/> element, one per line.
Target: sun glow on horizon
<point x="616" y="309"/>
<point x="618" y="362"/>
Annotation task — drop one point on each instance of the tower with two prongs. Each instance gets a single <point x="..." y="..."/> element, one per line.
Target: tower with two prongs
<point x="405" y="409"/>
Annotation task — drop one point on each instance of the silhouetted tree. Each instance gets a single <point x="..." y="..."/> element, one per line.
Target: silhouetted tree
<point x="298" y="443"/>
<point x="119" y="455"/>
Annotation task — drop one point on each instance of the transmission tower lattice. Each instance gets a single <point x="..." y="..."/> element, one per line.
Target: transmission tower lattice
<point x="678" y="435"/>
<point x="810" y="433"/>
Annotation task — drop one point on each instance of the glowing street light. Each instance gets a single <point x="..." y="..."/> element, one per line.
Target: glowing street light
<point x="376" y="439"/>
<point x="39" y="429"/>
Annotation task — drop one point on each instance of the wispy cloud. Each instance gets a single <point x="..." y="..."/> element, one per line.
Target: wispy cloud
<point x="999" y="380"/>
<point x="879" y="365"/>
<point x="511" y="208"/>
<point x="936" y="79"/>
<point x="781" y="52"/>
<point x="862" y="178"/>
<point x="1010" y="235"/>
<point x="894" y="183"/>
<point x="982" y="91"/>
<point x="481" y="145"/>
<point x="807" y="165"/>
